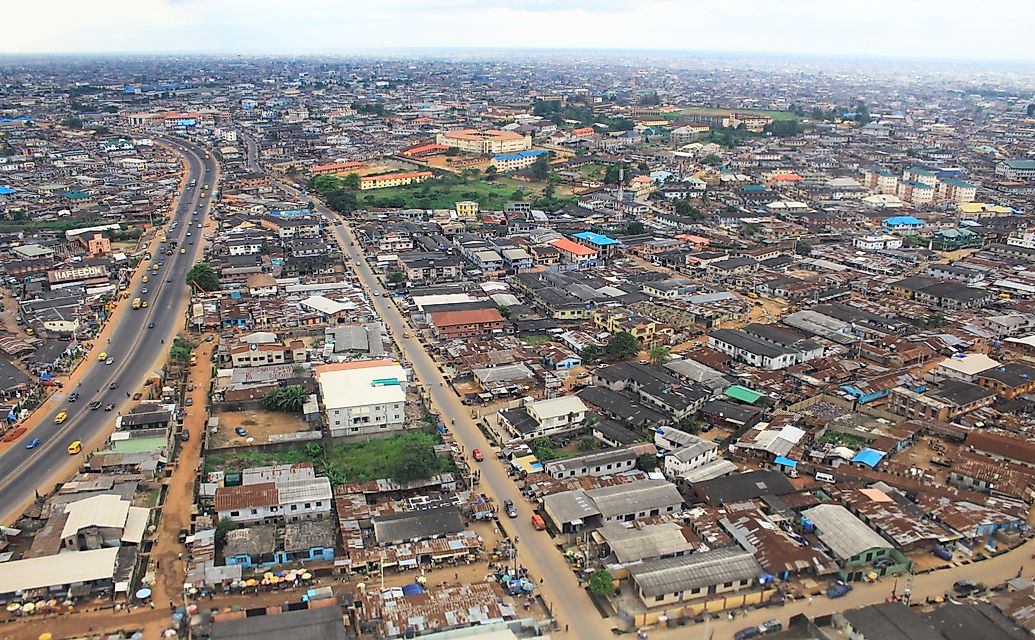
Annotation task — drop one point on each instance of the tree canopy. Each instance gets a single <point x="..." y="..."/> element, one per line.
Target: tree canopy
<point x="623" y="344"/>
<point x="415" y="462"/>
<point x="203" y="275"/>
<point x="290" y="399"/>
<point x="601" y="583"/>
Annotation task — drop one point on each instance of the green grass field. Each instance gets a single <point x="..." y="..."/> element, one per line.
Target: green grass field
<point x="439" y="195"/>
<point x="355" y="462"/>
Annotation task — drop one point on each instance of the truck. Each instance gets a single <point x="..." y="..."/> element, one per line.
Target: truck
<point x="136" y="303"/>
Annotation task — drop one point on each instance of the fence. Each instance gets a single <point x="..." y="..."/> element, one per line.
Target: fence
<point x="696" y="609"/>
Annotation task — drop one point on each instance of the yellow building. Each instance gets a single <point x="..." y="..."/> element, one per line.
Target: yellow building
<point x="466" y="209"/>
<point x="491" y="141"/>
<point x="392" y="180"/>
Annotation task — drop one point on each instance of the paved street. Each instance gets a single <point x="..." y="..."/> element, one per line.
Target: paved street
<point x="134" y="347"/>
<point x="536" y="551"/>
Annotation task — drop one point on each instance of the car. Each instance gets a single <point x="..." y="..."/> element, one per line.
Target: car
<point x="838" y="589"/>
<point x="72" y="397"/>
<point x="477" y="455"/>
<point x="110" y="361"/>
<point x="150" y="325"/>
<point x="746" y="633"/>
<point x="143" y="291"/>
<point x="168" y="280"/>
<point x="109" y="406"/>
<point x="964" y="587"/>
<point x="185" y="435"/>
<point x="190" y="387"/>
<point x="189" y="402"/>
<point x="771" y="626"/>
<point x="95" y="405"/>
<point x="182" y="251"/>
<point x="102" y="356"/>
<point x="209" y="338"/>
<point x="138" y="395"/>
<point x="32" y="444"/>
<point x="61" y="417"/>
<point x="508" y="506"/>
<point x="241" y="431"/>
<point x="182" y="536"/>
<point x="114" y="385"/>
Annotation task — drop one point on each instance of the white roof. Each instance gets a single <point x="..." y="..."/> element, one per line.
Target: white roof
<point x="325" y="305"/>
<point x="556" y="407"/>
<point x="106" y="511"/>
<point x="356" y="388"/>
<point x="58" y="569"/>
<point x="970" y="364"/>
<point x="136" y="523"/>
<point x="845" y="534"/>
<point x="446" y="298"/>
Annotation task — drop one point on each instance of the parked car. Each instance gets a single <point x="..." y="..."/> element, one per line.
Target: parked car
<point x="190" y="402"/>
<point x="241" y="431"/>
<point x="965" y="587"/>
<point x="185" y="435"/>
<point x="838" y="589"/>
<point x="746" y="633"/>
<point x="182" y="536"/>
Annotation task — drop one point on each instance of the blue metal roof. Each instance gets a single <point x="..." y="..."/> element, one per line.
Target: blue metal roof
<point x="598" y="239"/>
<point x="521" y="154"/>
<point x="4" y="191"/>
<point x="903" y="220"/>
<point x="869" y="457"/>
<point x="786" y="462"/>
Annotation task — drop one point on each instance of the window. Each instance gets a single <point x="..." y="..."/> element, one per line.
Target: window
<point x="234" y="514"/>
<point x="319" y="504"/>
<point x="727" y="585"/>
<point x="294" y="507"/>
<point x="309" y="505"/>
<point x="255" y="511"/>
<point x="659" y="598"/>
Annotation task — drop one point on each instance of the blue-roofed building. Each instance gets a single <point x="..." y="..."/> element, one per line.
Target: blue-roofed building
<point x="6" y="191"/>
<point x="787" y="465"/>
<point x="514" y="161"/>
<point x="899" y="223"/>
<point x="605" y="246"/>
<point x="868" y="457"/>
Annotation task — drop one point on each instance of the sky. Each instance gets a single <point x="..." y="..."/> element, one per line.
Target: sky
<point x="940" y="29"/>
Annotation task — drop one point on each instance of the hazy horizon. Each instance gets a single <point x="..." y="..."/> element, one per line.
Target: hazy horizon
<point x="906" y="30"/>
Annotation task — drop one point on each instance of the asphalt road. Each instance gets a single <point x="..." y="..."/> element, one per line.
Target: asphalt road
<point x="569" y="602"/>
<point x="133" y="346"/>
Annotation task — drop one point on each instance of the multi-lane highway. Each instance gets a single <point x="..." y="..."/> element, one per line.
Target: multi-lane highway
<point x="134" y="347"/>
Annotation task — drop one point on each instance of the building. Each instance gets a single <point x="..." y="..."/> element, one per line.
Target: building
<point x="588" y="508"/>
<point x="603" y="245"/>
<point x="393" y="179"/>
<point x="91" y="573"/>
<point x="363" y="398"/>
<point x="1008" y="381"/>
<point x="466" y="323"/>
<point x="668" y="581"/>
<point x="852" y="543"/>
<point x="283" y="493"/>
<point x="945" y="402"/>
<point x="765" y="346"/>
<point x="489" y="142"/>
<point x="1018" y="170"/>
<point x="545" y="417"/>
<point x="965" y="367"/>
<point x="466" y="209"/>
<point x="600" y="463"/>
<point x="102" y="521"/>
<point x="575" y="254"/>
<point x="515" y="161"/>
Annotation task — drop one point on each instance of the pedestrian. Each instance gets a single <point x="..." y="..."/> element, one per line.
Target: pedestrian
<point x="565" y="628"/>
<point x="152" y="604"/>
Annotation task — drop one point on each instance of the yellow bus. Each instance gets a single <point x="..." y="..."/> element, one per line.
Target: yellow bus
<point x="75" y="447"/>
<point x="136" y="303"/>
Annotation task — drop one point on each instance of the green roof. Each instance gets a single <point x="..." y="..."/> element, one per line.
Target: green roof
<point x="151" y="444"/>
<point x="1020" y="164"/>
<point x="743" y="394"/>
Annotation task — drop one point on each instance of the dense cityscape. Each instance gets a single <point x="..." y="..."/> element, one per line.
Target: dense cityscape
<point x="515" y="346"/>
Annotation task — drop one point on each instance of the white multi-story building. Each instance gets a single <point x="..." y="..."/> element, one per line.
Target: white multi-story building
<point x="287" y="493"/>
<point x="362" y="398"/>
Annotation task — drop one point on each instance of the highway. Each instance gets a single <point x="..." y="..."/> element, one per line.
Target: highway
<point x="570" y="603"/>
<point x="135" y="348"/>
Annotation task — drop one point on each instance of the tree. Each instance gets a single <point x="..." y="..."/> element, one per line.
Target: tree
<point x="351" y="182"/>
<point x="180" y="350"/>
<point x="204" y="276"/>
<point x="802" y="248"/>
<point x="690" y="424"/>
<point x="414" y="462"/>
<point x="491" y="172"/>
<point x="613" y="173"/>
<point x="601" y="583"/>
<point x="659" y="355"/>
<point x="622" y="345"/>
<point x="712" y="159"/>
<point x="590" y="352"/>
<point x="223" y="527"/>
<point x="290" y="399"/>
<point x="684" y="208"/>
<point x="73" y="122"/>
<point x="342" y="201"/>
<point x="541" y="167"/>
<point x="647" y="462"/>
<point x="635" y="228"/>
<point x="587" y="443"/>
<point x="862" y="113"/>
<point x="504" y="310"/>
<point x="396" y="277"/>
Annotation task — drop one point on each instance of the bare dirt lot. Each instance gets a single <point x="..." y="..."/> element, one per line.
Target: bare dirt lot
<point x="259" y="424"/>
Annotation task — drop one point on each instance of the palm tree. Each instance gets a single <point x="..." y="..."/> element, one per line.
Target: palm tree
<point x="290" y="399"/>
<point x="658" y="355"/>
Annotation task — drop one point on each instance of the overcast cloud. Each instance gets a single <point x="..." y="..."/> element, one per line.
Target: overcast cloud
<point x="994" y="29"/>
